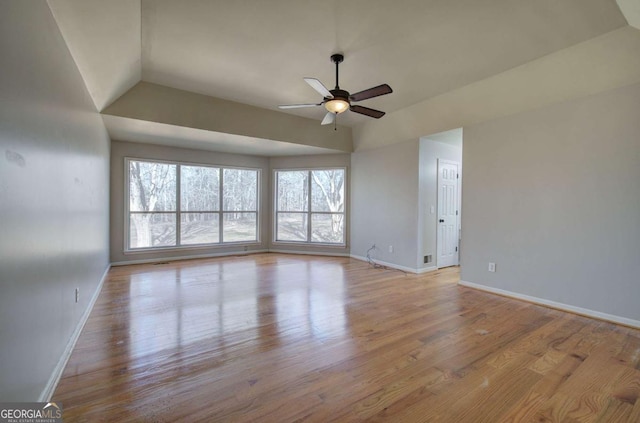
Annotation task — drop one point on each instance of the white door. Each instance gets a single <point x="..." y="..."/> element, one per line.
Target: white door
<point x="448" y="211"/>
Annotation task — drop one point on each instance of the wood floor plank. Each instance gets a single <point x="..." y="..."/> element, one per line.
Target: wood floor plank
<point x="634" y="416"/>
<point x="630" y="353"/>
<point x="285" y="338"/>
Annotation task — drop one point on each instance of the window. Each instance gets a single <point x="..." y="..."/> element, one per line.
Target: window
<point x="310" y="206"/>
<point x="240" y="205"/>
<point x="152" y="204"/>
<point x="174" y="205"/>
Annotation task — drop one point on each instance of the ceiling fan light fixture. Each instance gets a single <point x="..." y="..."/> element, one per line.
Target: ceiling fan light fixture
<point x="337" y="105"/>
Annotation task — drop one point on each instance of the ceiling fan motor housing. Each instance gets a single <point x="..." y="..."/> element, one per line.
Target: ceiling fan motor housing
<point x="340" y="94"/>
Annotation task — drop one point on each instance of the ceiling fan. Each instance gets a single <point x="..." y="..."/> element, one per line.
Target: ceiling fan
<point x="337" y="100"/>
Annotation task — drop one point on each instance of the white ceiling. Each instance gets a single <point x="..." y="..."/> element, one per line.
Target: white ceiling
<point x="257" y="52"/>
<point x="631" y="11"/>
<point x="104" y="39"/>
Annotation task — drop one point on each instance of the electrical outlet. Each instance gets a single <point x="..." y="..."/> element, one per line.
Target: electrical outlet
<point x="391" y="248"/>
<point x="492" y="267"/>
<point x="77" y="294"/>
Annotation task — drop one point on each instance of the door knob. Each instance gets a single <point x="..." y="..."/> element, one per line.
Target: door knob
<point x="441" y="220"/>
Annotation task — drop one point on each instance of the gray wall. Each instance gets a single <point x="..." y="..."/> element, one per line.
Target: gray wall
<point x="552" y="197"/>
<point x="430" y="152"/>
<point x="54" y="182"/>
<point x="120" y="150"/>
<point x="384" y="203"/>
<point x="310" y="162"/>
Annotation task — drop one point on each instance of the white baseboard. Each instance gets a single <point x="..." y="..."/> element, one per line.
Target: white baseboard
<point x="427" y="269"/>
<point x="188" y="257"/>
<point x="47" y="392"/>
<point x="553" y="304"/>
<point x="384" y="263"/>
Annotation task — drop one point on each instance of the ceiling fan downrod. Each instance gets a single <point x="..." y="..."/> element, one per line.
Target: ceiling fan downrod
<point x="337" y="59"/>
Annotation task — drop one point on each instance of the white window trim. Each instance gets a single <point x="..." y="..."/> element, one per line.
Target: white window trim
<point x="309" y="243"/>
<point x="217" y="245"/>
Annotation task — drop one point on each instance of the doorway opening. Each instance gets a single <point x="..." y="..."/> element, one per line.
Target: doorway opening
<point x="440" y="199"/>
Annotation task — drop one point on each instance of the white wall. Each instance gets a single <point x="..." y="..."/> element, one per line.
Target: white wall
<point x="430" y="152"/>
<point x="552" y="197"/>
<point x="120" y="150"/>
<point x="310" y="162"/>
<point x="54" y="184"/>
<point x="384" y="203"/>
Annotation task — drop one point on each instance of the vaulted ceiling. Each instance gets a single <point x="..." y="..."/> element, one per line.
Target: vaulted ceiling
<point x="163" y="70"/>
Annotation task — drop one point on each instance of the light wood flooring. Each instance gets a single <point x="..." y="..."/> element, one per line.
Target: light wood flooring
<point x="285" y="338"/>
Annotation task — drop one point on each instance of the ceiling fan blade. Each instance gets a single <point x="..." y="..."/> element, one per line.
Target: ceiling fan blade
<point x="298" y="106"/>
<point x="319" y="87"/>
<point x="367" y="111"/>
<point x="329" y="118"/>
<point x="371" y="92"/>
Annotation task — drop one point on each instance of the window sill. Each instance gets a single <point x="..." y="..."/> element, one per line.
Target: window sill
<point x="193" y="247"/>
<point x="308" y="244"/>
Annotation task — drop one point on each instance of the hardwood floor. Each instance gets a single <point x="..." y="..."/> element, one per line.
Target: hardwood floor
<point x="284" y="338"/>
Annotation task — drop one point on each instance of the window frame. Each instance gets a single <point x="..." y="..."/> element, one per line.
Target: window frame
<point x="309" y="212"/>
<point x="178" y="212"/>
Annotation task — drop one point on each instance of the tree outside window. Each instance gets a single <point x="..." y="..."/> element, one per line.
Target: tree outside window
<point x="152" y="203"/>
<point x="310" y="206"/>
<point x="173" y="205"/>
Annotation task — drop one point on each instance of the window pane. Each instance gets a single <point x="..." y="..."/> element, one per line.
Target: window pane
<point x="292" y="190"/>
<point x="292" y="227"/>
<point x="238" y="227"/>
<point x="199" y="188"/>
<point x="152" y="230"/>
<point x="327" y="190"/>
<point x="152" y="186"/>
<point x="199" y="228"/>
<point x="327" y="228"/>
<point x="240" y="190"/>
